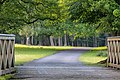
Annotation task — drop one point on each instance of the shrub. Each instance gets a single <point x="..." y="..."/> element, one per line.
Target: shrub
<point x="102" y="54"/>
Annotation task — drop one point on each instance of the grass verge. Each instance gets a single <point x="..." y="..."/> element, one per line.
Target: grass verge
<point x="6" y="77"/>
<point x="27" y="54"/>
<point x="94" y="56"/>
<point x="99" y="48"/>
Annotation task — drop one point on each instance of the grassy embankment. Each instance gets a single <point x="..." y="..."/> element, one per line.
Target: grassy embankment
<point x="94" y="56"/>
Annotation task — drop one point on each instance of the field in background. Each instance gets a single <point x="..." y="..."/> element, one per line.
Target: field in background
<point x="24" y="53"/>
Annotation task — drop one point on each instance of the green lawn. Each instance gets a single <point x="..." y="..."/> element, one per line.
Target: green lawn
<point x="25" y="53"/>
<point x="94" y="56"/>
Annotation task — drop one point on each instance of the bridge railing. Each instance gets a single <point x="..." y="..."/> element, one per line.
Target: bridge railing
<point x="113" y="52"/>
<point x="6" y="53"/>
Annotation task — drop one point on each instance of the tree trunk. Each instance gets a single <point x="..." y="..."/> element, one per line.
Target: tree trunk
<point x="77" y="44"/>
<point x="22" y="40"/>
<point x="72" y="40"/>
<point x="84" y="43"/>
<point x="72" y="43"/>
<point x="98" y="44"/>
<point x="47" y="41"/>
<point x="40" y="44"/>
<point x="35" y="40"/>
<point x="32" y="40"/>
<point x="87" y="42"/>
<point x="65" y="40"/>
<point x="59" y="41"/>
<point x="27" y="40"/>
<point x="55" y="41"/>
<point x="51" y="41"/>
<point x="95" y="41"/>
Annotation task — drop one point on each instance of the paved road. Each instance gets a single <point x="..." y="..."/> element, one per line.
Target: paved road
<point x="64" y="66"/>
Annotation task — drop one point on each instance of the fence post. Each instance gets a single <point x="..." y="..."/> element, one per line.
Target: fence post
<point x="7" y="42"/>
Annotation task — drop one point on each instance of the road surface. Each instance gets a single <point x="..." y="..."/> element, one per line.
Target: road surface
<point x="64" y="65"/>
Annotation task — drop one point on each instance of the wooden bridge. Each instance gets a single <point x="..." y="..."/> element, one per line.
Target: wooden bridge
<point x="6" y="53"/>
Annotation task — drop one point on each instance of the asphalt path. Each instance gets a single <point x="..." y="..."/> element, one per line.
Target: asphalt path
<point x="64" y="65"/>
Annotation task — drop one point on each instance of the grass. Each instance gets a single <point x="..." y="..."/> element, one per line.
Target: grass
<point x="99" y="48"/>
<point x="25" y="53"/>
<point x="44" y="47"/>
<point x="94" y="56"/>
<point x="6" y="77"/>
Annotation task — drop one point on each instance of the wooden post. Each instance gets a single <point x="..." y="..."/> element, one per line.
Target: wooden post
<point x="7" y="42"/>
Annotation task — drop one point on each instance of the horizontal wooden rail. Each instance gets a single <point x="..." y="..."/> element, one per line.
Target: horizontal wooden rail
<point x="6" y="53"/>
<point x="113" y="52"/>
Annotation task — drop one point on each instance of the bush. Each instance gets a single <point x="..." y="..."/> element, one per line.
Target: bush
<point x="102" y="54"/>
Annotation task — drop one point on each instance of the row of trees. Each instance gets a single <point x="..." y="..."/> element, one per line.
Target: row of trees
<point x="54" y="21"/>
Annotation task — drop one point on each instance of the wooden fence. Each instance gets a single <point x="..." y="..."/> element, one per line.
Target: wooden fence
<point x="113" y="52"/>
<point x="6" y="53"/>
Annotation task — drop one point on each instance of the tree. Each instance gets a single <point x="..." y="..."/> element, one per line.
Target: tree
<point x="98" y="12"/>
<point x="16" y="13"/>
<point x="27" y="32"/>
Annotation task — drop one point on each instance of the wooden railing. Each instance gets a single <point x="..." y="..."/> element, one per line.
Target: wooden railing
<point x="113" y="52"/>
<point x="6" y="53"/>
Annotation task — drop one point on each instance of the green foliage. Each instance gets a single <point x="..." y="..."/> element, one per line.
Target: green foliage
<point x="102" y="54"/>
<point x="84" y="30"/>
<point x="78" y="18"/>
<point x="26" y="31"/>
<point x="116" y="13"/>
<point x="16" y="13"/>
<point x="104" y="14"/>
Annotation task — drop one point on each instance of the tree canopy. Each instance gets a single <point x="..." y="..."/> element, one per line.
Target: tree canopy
<point x="61" y="16"/>
<point x="104" y="14"/>
<point x="16" y="13"/>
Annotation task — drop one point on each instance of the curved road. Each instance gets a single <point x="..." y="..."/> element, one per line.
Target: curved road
<point x="64" y="66"/>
